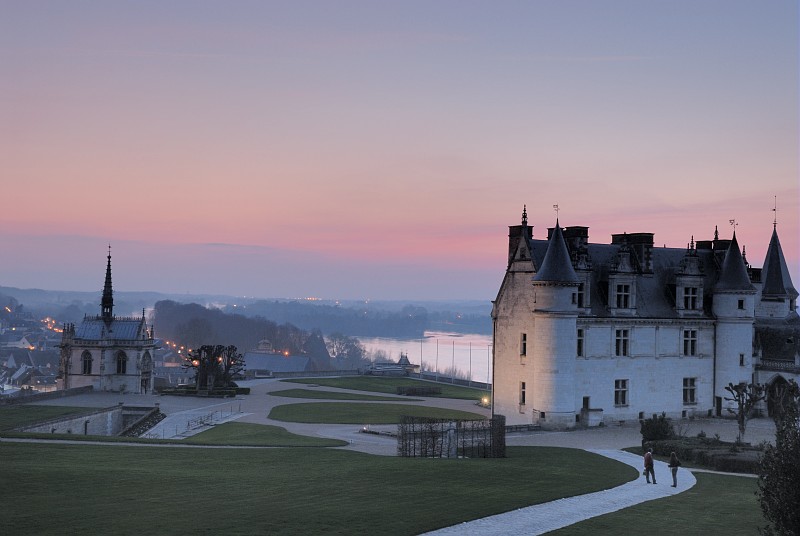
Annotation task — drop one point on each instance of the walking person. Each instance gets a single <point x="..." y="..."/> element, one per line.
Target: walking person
<point x="674" y="463"/>
<point x="648" y="466"/>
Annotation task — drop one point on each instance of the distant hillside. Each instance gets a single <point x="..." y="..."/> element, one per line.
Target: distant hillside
<point x="374" y="319"/>
<point x="409" y="319"/>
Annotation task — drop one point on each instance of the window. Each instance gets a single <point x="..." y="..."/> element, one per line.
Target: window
<point x="741" y="360"/>
<point x="690" y="298"/>
<point x="690" y="342"/>
<point x="523" y="344"/>
<point x="522" y="393"/>
<point x="122" y="362"/>
<point x="741" y="305"/>
<point x="86" y="361"/>
<point x="689" y="391"/>
<point x="580" y="295"/>
<point x="580" y="343"/>
<point x="623" y="296"/>
<point x="620" y="392"/>
<point x="622" y="342"/>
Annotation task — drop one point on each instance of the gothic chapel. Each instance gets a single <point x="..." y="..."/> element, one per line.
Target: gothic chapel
<point x="589" y="333"/>
<point x="107" y="352"/>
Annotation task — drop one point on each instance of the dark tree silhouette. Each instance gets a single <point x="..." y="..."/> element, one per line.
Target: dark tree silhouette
<point x="779" y="473"/>
<point x="214" y="365"/>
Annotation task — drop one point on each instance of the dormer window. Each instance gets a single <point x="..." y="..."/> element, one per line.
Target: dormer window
<point x="581" y="290"/>
<point x="690" y="298"/>
<point x="623" y="296"/>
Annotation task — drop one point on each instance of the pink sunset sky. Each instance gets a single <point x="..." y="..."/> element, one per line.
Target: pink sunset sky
<point x="381" y="150"/>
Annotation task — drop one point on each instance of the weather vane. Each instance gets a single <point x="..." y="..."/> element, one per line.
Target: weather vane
<point x="734" y="224"/>
<point x="555" y="207"/>
<point x="775" y="210"/>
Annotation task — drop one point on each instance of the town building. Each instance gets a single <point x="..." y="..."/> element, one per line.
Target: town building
<point x="107" y="352"/>
<point x="588" y="334"/>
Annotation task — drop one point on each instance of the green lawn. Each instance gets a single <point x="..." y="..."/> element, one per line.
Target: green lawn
<point x="90" y="489"/>
<point x="362" y="413"/>
<point x="390" y="385"/>
<point x="259" y="435"/>
<point x="718" y="504"/>
<point x="334" y="395"/>
<point x="20" y="415"/>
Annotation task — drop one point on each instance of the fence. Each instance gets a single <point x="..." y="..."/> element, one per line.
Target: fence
<point x="420" y="437"/>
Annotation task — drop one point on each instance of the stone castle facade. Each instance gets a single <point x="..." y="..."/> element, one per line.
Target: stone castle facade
<point x="588" y="333"/>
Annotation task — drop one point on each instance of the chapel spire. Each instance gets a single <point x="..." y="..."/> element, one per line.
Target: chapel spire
<point x="107" y="302"/>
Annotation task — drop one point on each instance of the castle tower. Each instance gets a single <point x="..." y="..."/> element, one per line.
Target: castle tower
<point x="778" y="295"/>
<point x="555" y="313"/>
<point x="511" y="318"/>
<point x="734" y="311"/>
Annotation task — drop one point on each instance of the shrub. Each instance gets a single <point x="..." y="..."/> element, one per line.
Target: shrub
<point x="656" y="428"/>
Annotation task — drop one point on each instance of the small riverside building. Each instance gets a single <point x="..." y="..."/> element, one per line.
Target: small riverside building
<point x="107" y="352"/>
<point x="588" y="333"/>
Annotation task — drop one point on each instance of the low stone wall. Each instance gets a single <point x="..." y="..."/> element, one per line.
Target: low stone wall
<point x="102" y="422"/>
<point x="25" y="398"/>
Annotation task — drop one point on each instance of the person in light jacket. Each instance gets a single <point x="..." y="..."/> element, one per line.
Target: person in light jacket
<point x="674" y="463"/>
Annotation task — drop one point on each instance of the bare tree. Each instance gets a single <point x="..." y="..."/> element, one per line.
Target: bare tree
<point x="745" y="396"/>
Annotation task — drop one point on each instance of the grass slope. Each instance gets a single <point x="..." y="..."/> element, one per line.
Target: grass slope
<point x="389" y="385"/>
<point x="258" y="435"/>
<point x="335" y="395"/>
<point x="21" y="415"/>
<point x="718" y="504"/>
<point x="121" y="490"/>
<point x="361" y="413"/>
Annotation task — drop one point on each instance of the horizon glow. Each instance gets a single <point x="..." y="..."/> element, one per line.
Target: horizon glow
<point x="369" y="150"/>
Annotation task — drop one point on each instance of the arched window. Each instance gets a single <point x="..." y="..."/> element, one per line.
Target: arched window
<point x="122" y="362"/>
<point x="147" y="362"/>
<point x="86" y="361"/>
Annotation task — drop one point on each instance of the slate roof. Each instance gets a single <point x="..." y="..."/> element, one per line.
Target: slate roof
<point x="733" y="276"/>
<point x="556" y="266"/>
<point x="95" y="329"/>
<point x="778" y="339"/>
<point x="654" y="291"/>
<point x="775" y="273"/>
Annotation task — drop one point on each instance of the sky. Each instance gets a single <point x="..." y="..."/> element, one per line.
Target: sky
<point x="380" y="150"/>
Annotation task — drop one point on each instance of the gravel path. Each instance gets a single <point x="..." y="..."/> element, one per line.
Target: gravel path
<point x="546" y="517"/>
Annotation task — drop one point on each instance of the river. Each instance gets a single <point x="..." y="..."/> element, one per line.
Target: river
<point x="469" y="354"/>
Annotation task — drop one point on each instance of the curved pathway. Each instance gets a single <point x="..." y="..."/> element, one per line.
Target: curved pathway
<point x="546" y="517"/>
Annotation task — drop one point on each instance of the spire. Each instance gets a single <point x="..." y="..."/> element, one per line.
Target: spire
<point x="556" y="266"/>
<point x="107" y="302"/>
<point x="524" y="214"/>
<point x="775" y="274"/>
<point x="733" y="274"/>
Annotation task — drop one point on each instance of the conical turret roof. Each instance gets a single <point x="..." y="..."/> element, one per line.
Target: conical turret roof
<point x="775" y="274"/>
<point x="733" y="275"/>
<point x="556" y="266"/>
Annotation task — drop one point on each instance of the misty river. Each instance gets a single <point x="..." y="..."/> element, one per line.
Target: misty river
<point x="469" y="354"/>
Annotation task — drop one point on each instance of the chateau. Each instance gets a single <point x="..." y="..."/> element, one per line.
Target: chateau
<point x="589" y="333"/>
<point x="107" y="352"/>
